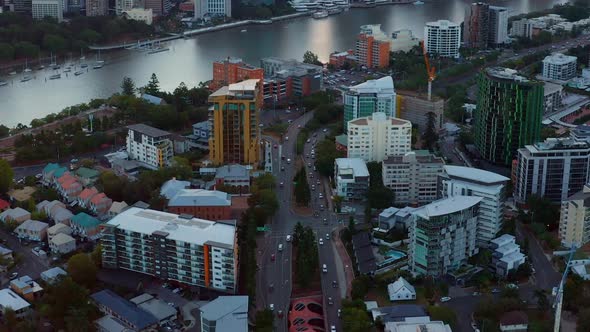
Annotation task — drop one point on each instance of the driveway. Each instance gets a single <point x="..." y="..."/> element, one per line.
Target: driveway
<point x="545" y="277"/>
<point x="30" y="264"/>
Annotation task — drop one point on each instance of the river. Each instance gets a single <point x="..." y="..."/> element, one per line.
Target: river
<point x="190" y="60"/>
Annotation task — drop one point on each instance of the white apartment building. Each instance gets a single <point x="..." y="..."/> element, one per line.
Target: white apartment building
<point x="467" y="181"/>
<point x="413" y="177"/>
<point x="560" y="67"/>
<point x="377" y="136"/>
<point x="522" y="28"/>
<point x="189" y="250"/>
<point x="498" y="29"/>
<point x="403" y="40"/>
<point x="97" y="7"/>
<point x="369" y="97"/>
<point x="47" y="8"/>
<point x="212" y="8"/>
<point x="442" y="38"/>
<point x="144" y="15"/>
<point x="574" y="219"/>
<point x="555" y="169"/>
<point x="149" y="145"/>
<point x="352" y="178"/>
<point x="506" y="255"/>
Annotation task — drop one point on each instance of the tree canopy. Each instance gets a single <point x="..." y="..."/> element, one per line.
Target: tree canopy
<point x="311" y="58"/>
<point x="127" y="86"/>
<point x="6" y="176"/>
<point x="82" y="269"/>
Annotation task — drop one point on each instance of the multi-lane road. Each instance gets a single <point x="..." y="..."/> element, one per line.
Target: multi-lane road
<point x="274" y="284"/>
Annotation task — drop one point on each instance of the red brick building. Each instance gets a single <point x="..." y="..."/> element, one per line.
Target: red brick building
<point x="233" y="70"/>
<point x="338" y="59"/>
<point x="201" y="203"/>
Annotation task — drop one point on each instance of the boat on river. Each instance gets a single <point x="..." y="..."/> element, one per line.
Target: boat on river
<point x="320" y="14"/>
<point x="3" y="83"/>
<point x="26" y="79"/>
<point x="55" y="77"/>
<point x="78" y="73"/>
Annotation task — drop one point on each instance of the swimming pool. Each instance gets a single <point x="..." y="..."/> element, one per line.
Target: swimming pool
<point x="394" y="255"/>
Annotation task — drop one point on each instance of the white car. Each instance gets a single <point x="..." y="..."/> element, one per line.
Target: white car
<point x="271" y="307"/>
<point x="321" y="241"/>
<point x="332" y="328"/>
<point x="445" y="299"/>
<point x="327" y="236"/>
<point x="288" y="238"/>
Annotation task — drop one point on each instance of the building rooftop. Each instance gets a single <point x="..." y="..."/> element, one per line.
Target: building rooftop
<point x="200" y="197"/>
<point x="194" y="230"/>
<point x="447" y="206"/>
<point x="379" y="117"/>
<point x="399" y="312"/>
<point x="475" y="174"/>
<point x="15" y="213"/>
<point x="151" y="99"/>
<point x="171" y="187"/>
<point x="505" y="74"/>
<point x="125" y="309"/>
<point x="57" y="228"/>
<point x="358" y="165"/>
<point x="550" y="144"/>
<point x="228" y="171"/>
<point x="53" y="273"/>
<point x="400" y="283"/>
<point x="84" y="220"/>
<point x="158" y="308"/>
<point x="117" y="207"/>
<point x="33" y="225"/>
<point x="110" y="323"/>
<point x="87" y="173"/>
<point x="25" y="285"/>
<point x="423" y="325"/>
<point x="442" y="24"/>
<point x="4" y="251"/>
<point x="419" y="156"/>
<point x="9" y="299"/>
<point x="383" y="85"/>
<point x="61" y="239"/>
<point x="229" y="312"/>
<point x="559" y="59"/>
<point x="551" y="88"/>
<point x="514" y="318"/>
<point x="4" y="205"/>
<point x="147" y="130"/>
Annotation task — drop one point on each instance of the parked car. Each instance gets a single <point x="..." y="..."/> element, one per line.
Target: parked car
<point x="445" y="299"/>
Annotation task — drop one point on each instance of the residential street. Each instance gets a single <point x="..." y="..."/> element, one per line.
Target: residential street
<point x="30" y="264"/>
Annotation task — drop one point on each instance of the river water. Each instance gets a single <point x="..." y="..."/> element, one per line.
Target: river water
<point x="190" y="60"/>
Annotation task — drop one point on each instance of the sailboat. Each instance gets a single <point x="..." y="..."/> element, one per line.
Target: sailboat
<point x="27" y="69"/>
<point x="54" y="64"/>
<point x="41" y="66"/>
<point x="99" y="63"/>
<point x="3" y="83"/>
<point x="82" y="57"/>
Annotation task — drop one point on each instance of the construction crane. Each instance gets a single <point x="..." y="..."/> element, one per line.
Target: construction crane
<point x="559" y="291"/>
<point x="431" y="71"/>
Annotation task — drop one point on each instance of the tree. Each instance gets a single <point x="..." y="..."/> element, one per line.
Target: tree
<point x="444" y="314"/>
<point x="542" y="300"/>
<point x="360" y="287"/>
<point x="311" y="58"/>
<point x="351" y="225"/>
<point x="430" y="136"/>
<point x="153" y="86"/>
<point x="326" y="153"/>
<point x="337" y="200"/>
<point x="77" y="320"/>
<point x="96" y="255"/>
<point x="379" y="196"/>
<point x="62" y="295"/>
<point x="355" y="317"/>
<point x="6" y="51"/>
<point x="307" y="260"/>
<point x="82" y="269"/>
<point x="54" y="43"/>
<point x="264" y="321"/>
<point x="583" y="320"/>
<point x="10" y="319"/>
<point x="302" y="192"/>
<point x="4" y="131"/>
<point x="6" y="176"/>
<point x="128" y="86"/>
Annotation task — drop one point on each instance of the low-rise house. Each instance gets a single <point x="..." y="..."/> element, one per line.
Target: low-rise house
<point x="423" y="325"/>
<point x="22" y="195"/>
<point x="226" y="313"/>
<point x="86" y="226"/>
<point x="171" y="187"/>
<point x="110" y="324"/>
<point x="400" y="313"/>
<point x="62" y="244"/>
<point x="506" y="255"/>
<point x="9" y="299"/>
<point x="50" y="172"/>
<point x="205" y="204"/>
<point x="233" y="176"/>
<point x="6" y="253"/>
<point x="58" y="229"/>
<point x="68" y="187"/>
<point x="4" y="205"/>
<point x="394" y="218"/>
<point x="53" y="274"/>
<point x="158" y="308"/>
<point x="126" y="312"/>
<point x="116" y="208"/>
<point x="33" y="230"/>
<point x="514" y="321"/>
<point x="47" y="206"/>
<point x="85" y="196"/>
<point x="17" y="215"/>
<point x="401" y="290"/>
<point x="100" y="204"/>
<point x="27" y="288"/>
<point x="87" y="176"/>
<point x="61" y="215"/>
<point x="363" y="253"/>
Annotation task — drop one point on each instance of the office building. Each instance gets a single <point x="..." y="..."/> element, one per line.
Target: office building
<point x="476" y="25"/>
<point x="374" y="137"/>
<point x="442" y="236"/>
<point x="123" y="5"/>
<point x="97" y="7"/>
<point x="234" y="117"/>
<point x="522" y="28"/>
<point x="225" y="313"/>
<point x="442" y="38"/>
<point x="413" y="177"/>
<point x="369" y="97"/>
<point x="352" y="178"/>
<point x="574" y="219"/>
<point x="158" y="7"/>
<point x="555" y="169"/>
<point x="47" y="8"/>
<point x="403" y="41"/>
<point x="415" y="108"/>
<point x="498" y="30"/>
<point x="491" y="187"/>
<point x="560" y="67"/>
<point x="506" y="255"/>
<point x="212" y="8"/>
<point x="291" y="77"/>
<point x="508" y="114"/>
<point x="201" y="203"/>
<point x="188" y="250"/>
<point x="372" y="47"/>
<point x="233" y="70"/>
<point x="341" y="59"/>
<point x="146" y="16"/>
<point x="150" y="146"/>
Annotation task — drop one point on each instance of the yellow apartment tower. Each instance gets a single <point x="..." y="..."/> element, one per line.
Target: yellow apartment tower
<point x="233" y="114"/>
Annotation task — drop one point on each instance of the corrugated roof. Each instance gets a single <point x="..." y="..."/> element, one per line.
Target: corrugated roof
<point x="125" y="309"/>
<point x="9" y="298"/>
<point x="229" y="312"/>
<point x="171" y="187"/>
<point x="200" y="197"/>
<point x="148" y="130"/>
<point x="32" y="225"/>
<point x="87" y="173"/>
<point x="84" y="220"/>
<point x="62" y="238"/>
<point x="447" y="206"/>
<point x="475" y="174"/>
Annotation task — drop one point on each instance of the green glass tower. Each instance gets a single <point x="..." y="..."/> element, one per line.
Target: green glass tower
<point x="508" y="114"/>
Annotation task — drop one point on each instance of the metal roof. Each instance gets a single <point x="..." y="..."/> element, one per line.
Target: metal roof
<point x="475" y="174"/>
<point x="229" y="312"/>
<point x="148" y="130"/>
<point x="125" y="309"/>
<point x="447" y="206"/>
<point x="200" y="197"/>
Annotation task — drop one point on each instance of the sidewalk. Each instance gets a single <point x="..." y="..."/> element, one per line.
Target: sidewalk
<point x="343" y="259"/>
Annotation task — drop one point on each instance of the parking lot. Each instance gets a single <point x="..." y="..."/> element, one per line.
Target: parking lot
<point x="344" y="78"/>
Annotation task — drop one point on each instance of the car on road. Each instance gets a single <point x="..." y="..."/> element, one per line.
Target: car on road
<point x="512" y="286"/>
<point x="276" y="146"/>
<point x="327" y="236"/>
<point x="280" y="247"/>
<point x="324" y="268"/>
<point x="280" y="314"/>
<point x="313" y="187"/>
<point x="271" y="287"/>
<point x="476" y="293"/>
<point x="339" y="312"/>
<point x="282" y="168"/>
<point x="325" y="221"/>
<point x="282" y="184"/>
<point x="13" y="275"/>
<point x="271" y="307"/>
<point x="332" y="328"/>
<point x="286" y="138"/>
<point x="325" y="130"/>
<point x="334" y="284"/>
<point x="288" y="238"/>
<point x="495" y="290"/>
<point x="321" y="241"/>
<point x="330" y="301"/>
<point x="445" y="299"/>
<point x="272" y="257"/>
<point x="176" y="290"/>
<point x="288" y="161"/>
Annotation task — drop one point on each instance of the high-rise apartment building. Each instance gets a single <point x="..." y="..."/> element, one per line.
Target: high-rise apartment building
<point x="377" y="136"/>
<point x="413" y="177"/>
<point x="372" y="47"/>
<point x="149" y="145"/>
<point x="192" y="251"/>
<point x="158" y="7"/>
<point x="442" y="38"/>
<point x="97" y="7"/>
<point x="555" y="169"/>
<point x="235" y="138"/>
<point x="403" y="40"/>
<point x="522" y="28"/>
<point x="491" y="187"/>
<point x="212" y="8"/>
<point x="47" y="8"/>
<point x="123" y="5"/>
<point x="442" y="235"/>
<point x="233" y="70"/>
<point x="574" y="219"/>
<point x="485" y="26"/>
<point x="508" y="114"/>
<point x="415" y="108"/>
<point x="560" y="67"/>
<point x="369" y="97"/>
